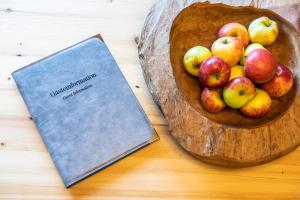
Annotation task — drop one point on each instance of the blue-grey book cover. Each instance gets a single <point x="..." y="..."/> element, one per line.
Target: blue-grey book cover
<point x="84" y="109"/>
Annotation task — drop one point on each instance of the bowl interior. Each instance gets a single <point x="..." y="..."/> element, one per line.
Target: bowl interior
<point x="198" y="24"/>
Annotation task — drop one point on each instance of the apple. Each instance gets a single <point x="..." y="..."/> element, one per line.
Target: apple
<point x="260" y="66"/>
<point x="238" y="92"/>
<point x="236" y="71"/>
<point x="212" y="100"/>
<point x="263" y="30"/>
<point x="281" y="84"/>
<point x="250" y="48"/>
<point x="259" y="106"/>
<point x="235" y="30"/>
<point x="214" y="72"/>
<point x="194" y="57"/>
<point x="230" y="49"/>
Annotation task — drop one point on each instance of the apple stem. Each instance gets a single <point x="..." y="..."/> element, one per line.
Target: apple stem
<point x="241" y="92"/>
<point x="196" y="66"/>
<point x="267" y="22"/>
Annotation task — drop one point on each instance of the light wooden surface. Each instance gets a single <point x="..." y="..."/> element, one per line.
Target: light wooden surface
<point x="32" y="29"/>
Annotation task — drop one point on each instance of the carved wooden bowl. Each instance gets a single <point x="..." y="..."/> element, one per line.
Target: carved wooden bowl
<point x="226" y="138"/>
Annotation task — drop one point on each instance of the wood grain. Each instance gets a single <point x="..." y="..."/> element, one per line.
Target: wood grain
<point x="226" y="138"/>
<point x="30" y="30"/>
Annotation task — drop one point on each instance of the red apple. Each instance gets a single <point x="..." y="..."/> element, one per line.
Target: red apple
<point x="212" y="100"/>
<point x="259" y="106"/>
<point x="235" y="30"/>
<point x="238" y="92"/>
<point x="214" y="72"/>
<point x="230" y="49"/>
<point x="260" y="66"/>
<point x="281" y="84"/>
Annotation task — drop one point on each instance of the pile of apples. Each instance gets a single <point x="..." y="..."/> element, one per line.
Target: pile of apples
<point x="239" y="75"/>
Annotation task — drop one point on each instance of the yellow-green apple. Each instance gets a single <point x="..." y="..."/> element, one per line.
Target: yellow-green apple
<point x="263" y="30"/>
<point x="230" y="49"/>
<point x="194" y="57"/>
<point x="235" y="30"/>
<point x="214" y="72"/>
<point x="259" y="106"/>
<point x="281" y="84"/>
<point x="250" y="48"/>
<point x="238" y="92"/>
<point x="236" y="71"/>
<point x="260" y="66"/>
<point x="212" y="100"/>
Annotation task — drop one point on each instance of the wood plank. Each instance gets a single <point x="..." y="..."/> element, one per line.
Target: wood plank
<point x="163" y="170"/>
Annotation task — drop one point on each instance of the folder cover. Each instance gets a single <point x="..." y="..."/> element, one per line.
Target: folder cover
<point x="84" y="109"/>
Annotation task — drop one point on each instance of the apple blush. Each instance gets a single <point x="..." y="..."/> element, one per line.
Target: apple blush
<point x="214" y="72"/>
<point x="260" y="66"/>
<point x="281" y="84"/>
<point x="212" y="100"/>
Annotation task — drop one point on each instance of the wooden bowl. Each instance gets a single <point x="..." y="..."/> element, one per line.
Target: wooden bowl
<point x="198" y="25"/>
<point x="226" y="138"/>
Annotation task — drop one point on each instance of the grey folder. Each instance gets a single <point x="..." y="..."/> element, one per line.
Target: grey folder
<point x="84" y="109"/>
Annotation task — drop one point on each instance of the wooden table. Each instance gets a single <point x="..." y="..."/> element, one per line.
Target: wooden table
<point x="32" y="29"/>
